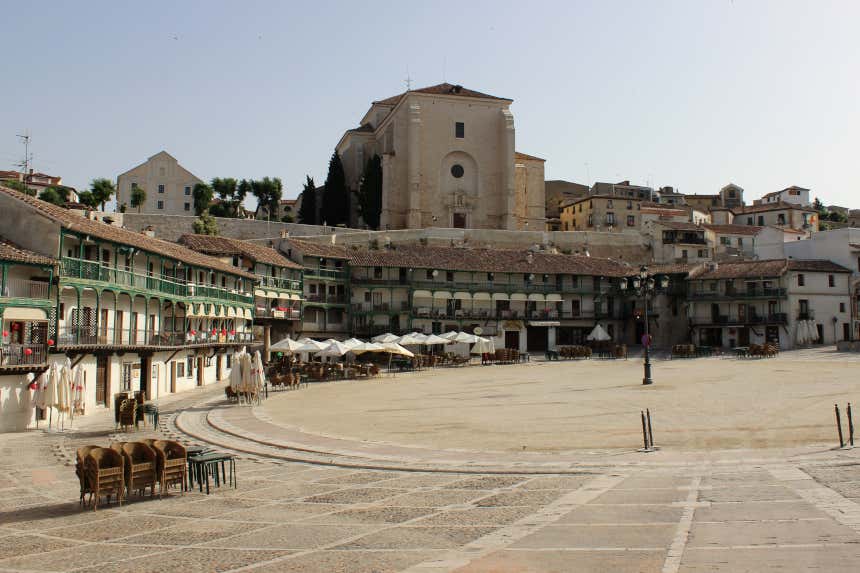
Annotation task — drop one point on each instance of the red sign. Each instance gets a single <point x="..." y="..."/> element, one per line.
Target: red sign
<point x="646" y="340"/>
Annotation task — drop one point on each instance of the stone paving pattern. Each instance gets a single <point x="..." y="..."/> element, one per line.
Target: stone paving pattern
<point x="667" y="516"/>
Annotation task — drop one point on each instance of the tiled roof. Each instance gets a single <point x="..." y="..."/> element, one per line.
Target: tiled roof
<point x="734" y="229"/>
<point x="440" y="89"/>
<point x="75" y="222"/>
<point x="488" y="260"/>
<point x="526" y="157"/>
<point x="228" y="246"/>
<point x="11" y="252"/>
<point x="741" y="269"/>
<point x="325" y="250"/>
<point x="781" y="206"/>
<point x="816" y="266"/>
<point x="680" y="225"/>
<point x="672" y="268"/>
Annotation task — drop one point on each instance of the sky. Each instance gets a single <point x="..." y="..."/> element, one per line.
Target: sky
<point x="690" y="93"/>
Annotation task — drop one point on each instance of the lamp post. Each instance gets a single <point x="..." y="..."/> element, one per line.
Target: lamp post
<point x="645" y="285"/>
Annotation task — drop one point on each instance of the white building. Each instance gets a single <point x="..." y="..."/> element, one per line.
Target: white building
<point x="168" y="186"/>
<point x="794" y="195"/>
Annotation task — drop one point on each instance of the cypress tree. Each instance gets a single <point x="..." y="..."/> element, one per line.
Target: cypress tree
<point x="335" y="207"/>
<point x="308" y="209"/>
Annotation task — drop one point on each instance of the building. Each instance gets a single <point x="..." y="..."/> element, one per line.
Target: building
<point x="531" y="301"/>
<point x="753" y="302"/>
<point x="679" y="242"/>
<point x="168" y="186"/>
<point x="138" y="314"/>
<point x="669" y="196"/>
<point x="557" y="193"/>
<point x="288" y="211"/>
<point x="38" y="182"/>
<point x="608" y="213"/>
<point x="624" y="189"/>
<point x="730" y="197"/>
<point x="278" y="295"/>
<point x="326" y="282"/>
<point x="448" y="160"/>
<point x="778" y="215"/>
<point x="748" y="242"/>
<point x="794" y="195"/>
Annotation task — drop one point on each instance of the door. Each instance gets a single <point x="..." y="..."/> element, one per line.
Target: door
<point x="200" y="367"/>
<point x="771" y="334"/>
<point x="103" y="326"/>
<point x="512" y="339"/>
<point x="820" y="328"/>
<point x="145" y="373"/>
<point x="218" y="368"/>
<point x="117" y="327"/>
<point x="173" y="377"/>
<point x="459" y="221"/>
<point x="846" y="331"/>
<point x="133" y="329"/>
<point x="102" y="380"/>
<point x="743" y="337"/>
<point x="88" y="326"/>
<point x="537" y="338"/>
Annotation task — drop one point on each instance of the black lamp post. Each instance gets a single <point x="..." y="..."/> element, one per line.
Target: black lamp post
<point x="645" y="286"/>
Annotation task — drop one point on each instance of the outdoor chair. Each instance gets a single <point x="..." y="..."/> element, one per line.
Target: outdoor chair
<point x="140" y="467"/>
<point x="80" y="455"/>
<point x="128" y="414"/>
<point x="104" y="469"/>
<point x="172" y="466"/>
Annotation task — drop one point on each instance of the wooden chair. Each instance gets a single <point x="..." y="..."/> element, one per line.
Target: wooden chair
<point x="128" y="414"/>
<point x="105" y="474"/>
<point x="80" y="471"/>
<point x="141" y="467"/>
<point x="172" y="464"/>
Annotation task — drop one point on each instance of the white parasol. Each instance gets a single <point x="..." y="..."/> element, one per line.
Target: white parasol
<point x="394" y="348"/>
<point x="52" y="392"/>
<point x="79" y="390"/>
<point x="432" y="340"/>
<point x="285" y="345"/>
<point x="387" y="337"/>
<point x="449" y="335"/>
<point x="352" y="343"/>
<point x="484" y="346"/>
<point x="236" y="372"/>
<point x="411" y="339"/>
<point x="598" y="334"/>
<point x="259" y="375"/>
<point x="367" y="347"/>
<point x="801" y="333"/>
<point x="466" y="337"/>
<point x="813" y="331"/>
<point x="334" y="348"/>
<point x="310" y="345"/>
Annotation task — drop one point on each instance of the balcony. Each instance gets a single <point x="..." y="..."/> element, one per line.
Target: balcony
<point x="748" y="320"/>
<point x="278" y="313"/>
<point x="381" y="308"/>
<point x="327" y="298"/>
<point x="280" y="283"/>
<point x="22" y="288"/>
<point x="732" y="294"/>
<point x="95" y="271"/>
<point x="325" y="274"/>
<point x="93" y="336"/>
<point x="23" y="354"/>
<point x="492" y="286"/>
<point x="806" y="315"/>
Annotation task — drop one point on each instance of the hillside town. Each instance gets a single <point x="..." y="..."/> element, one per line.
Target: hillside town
<point x="457" y="231"/>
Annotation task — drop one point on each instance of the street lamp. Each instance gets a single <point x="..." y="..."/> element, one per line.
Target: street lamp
<point x="645" y="285"/>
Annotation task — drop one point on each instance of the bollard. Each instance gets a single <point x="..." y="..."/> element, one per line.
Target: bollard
<point x="644" y="431"/>
<point x="850" y="426"/>
<point x="839" y="426"/>
<point x="650" y="433"/>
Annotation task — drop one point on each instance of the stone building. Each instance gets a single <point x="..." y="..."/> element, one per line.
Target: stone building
<point x="448" y="160"/>
<point x="168" y="186"/>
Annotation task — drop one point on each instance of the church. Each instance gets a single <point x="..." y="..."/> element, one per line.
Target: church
<point x="448" y="160"/>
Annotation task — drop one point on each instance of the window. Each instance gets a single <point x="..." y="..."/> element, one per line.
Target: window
<point x="429" y="274"/>
<point x="801" y="280"/>
<point x="161" y="205"/>
<point x="749" y="220"/>
<point x="367" y="296"/>
<point x="187" y="190"/>
<point x="377" y="272"/>
<point x="190" y="365"/>
<point x="449" y="276"/>
<point x="740" y="241"/>
<point x="457" y="170"/>
<point x="724" y="240"/>
<point x="841" y="307"/>
<point x="161" y="188"/>
<point x="490" y="277"/>
<point x="580" y="210"/>
<point x="631" y="220"/>
<point x="180" y="370"/>
<point x="609" y="204"/>
<point x="701" y="253"/>
<point x="459" y="130"/>
<point x="629" y="204"/>
<point x="133" y="185"/>
<point x="831" y="281"/>
<point x="574" y="307"/>
<point x="684" y="254"/>
<point x="761" y="220"/>
<point x="590" y="220"/>
<point x="187" y="206"/>
<point x="780" y="219"/>
<point x="610" y="218"/>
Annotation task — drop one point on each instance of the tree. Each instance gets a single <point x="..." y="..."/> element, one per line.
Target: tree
<point x="138" y="197"/>
<point x="88" y="199"/>
<point x="335" y="207"/>
<point x="56" y="194"/>
<point x="370" y="192"/>
<point x="226" y="188"/>
<point x="205" y="224"/>
<point x="242" y="191"/>
<point x="18" y="186"/>
<point x="268" y="193"/>
<point x="102" y="190"/>
<point x="837" y="217"/>
<point x="308" y="209"/>
<point x="202" y="195"/>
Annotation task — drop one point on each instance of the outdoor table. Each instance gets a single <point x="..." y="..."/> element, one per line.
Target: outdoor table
<point x="552" y="355"/>
<point x="742" y="351"/>
<point x="151" y="412"/>
<point x="202" y="466"/>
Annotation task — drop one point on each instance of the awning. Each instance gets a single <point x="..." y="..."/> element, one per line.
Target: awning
<point x="462" y="296"/>
<point x="544" y="323"/>
<point x="260" y="293"/>
<point x="231" y="312"/>
<point x="500" y="296"/>
<point x="423" y="294"/>
<point x="481" y="296"/>
<point x="20" y="313"/>
<point x="273" y="294"/>
<point x="248" y="314"/>
<point x="519" y="296"/>
<point x="189" y="311"/>
<point x="443" y="294"/>
<point x="553" y="297"/>
<point x="294" y="296"/>
<point x="536" y="296"/>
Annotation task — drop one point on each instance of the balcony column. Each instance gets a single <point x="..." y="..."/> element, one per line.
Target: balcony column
<point x="98" y="312"/>
<point x="267" y="343"/>
<point x="550" y="338"/>
<point x="77" y="325"/>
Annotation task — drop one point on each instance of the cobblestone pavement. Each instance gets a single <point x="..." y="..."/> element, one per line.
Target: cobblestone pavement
<point x="667" y="515"/>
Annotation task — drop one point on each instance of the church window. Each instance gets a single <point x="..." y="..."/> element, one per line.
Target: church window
<point x="460" y="130"/>
<point x="457" y="170"/>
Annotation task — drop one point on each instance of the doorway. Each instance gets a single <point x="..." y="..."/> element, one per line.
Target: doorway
<point x="846" y="331"/>
<point x="145" y="374"/>
<point x="512" y="339"/>
<point x="218" y="368"/>
<point x="459" y="221"/>
<point x="201" y="364"/>
<point x="743" y="337"/>
<point x="173" y="377"/>
<point x="102" y="380"/>
<point x="537" y="337"/>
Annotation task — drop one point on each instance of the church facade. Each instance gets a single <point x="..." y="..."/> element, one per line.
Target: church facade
<point x="448" y="160"/>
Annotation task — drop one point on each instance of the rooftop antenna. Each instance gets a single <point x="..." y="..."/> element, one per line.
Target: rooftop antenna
<point x="408" y="80"/>
<point x="25" y="164"/>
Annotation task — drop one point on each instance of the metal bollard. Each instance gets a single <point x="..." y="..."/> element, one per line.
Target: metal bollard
<point x="650" y="433"/>
<point x="644" y="430"/>
<point x="839" y="426"/>
<point x="850" y="426"/>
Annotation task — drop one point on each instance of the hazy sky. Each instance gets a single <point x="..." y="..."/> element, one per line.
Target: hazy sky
<point x="688" y="93"/>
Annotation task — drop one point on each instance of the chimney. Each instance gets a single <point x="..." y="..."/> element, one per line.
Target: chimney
<point x="149" y="232"/>
<point x="285" y="234"/>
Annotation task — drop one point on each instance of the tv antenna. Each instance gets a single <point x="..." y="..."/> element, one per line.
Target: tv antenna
<point x="28" y="158"/>
<point x="408" y="80"/>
